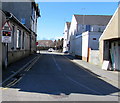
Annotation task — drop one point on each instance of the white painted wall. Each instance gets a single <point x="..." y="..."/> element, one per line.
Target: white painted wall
<point x="94" y="44"/>
<point x="78" y="46"/>
<point x="85" y="40"/>
<point x="66" y="40"/>
<point x="73" y="30"/>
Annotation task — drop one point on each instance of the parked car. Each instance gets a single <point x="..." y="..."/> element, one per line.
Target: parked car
<point x="50" y="50"/>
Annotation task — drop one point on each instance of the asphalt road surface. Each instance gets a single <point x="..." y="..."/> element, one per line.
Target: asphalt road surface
<point x="55" y="78"/>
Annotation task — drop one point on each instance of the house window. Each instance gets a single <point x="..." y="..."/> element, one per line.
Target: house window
<point x="99" y="30"/>
<point x="23" y="40"/>
<point x="18" y="44"/>
<point x="33" y="13"/>
<point x="94" y="38"/>
<point x="88" y="27"/>
<point x="13" y="30"/>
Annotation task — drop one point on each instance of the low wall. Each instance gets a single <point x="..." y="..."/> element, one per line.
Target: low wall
<point x="16" y="55"/>
<point x="94" y="57"/>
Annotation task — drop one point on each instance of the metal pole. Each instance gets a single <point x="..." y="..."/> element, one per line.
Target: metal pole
<point x="6" y="57"/>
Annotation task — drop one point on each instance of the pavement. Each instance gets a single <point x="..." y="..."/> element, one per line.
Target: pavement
<point x="110" y="76"/>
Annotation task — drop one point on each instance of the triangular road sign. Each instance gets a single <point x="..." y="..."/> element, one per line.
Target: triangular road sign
<point x="6" y="26"/>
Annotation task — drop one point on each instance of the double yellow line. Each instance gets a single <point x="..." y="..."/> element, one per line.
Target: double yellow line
<point x="17" y="80"/>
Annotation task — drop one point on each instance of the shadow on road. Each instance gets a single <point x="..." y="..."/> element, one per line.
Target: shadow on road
<point x="44" y="77"/>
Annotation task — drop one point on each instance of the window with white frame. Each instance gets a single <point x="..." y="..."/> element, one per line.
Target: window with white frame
<point x="33" y="13"/>
<point x="23" y="40"/>
<point x="13" y="31"/>
<point x="18" y="43"/>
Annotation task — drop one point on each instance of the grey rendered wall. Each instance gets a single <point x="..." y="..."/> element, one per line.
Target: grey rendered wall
<point x="94" y="57"/>
<point x="15" y="55"/>
<point x="0" y="40"/>
<point x="2" y="46"/>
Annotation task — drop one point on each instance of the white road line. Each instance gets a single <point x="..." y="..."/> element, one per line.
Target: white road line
<point x="82" y="85"/>
<point x="74" y="80"/>
<point x="58" y="67"/>
<point x="93" y="73"/>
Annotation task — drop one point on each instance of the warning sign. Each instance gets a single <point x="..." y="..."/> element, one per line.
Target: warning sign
<point x="6" y="36"/>
<point x="6" y="33"/>
<point x="6" y="26"/>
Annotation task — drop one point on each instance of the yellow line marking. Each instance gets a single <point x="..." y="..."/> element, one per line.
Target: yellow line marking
<point x="3" y="88"/>
<point x="11" y="83"/>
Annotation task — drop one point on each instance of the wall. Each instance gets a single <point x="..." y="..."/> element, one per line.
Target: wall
<point x="78" y="46"/>
<point x="72" y="31"/>
<point x="0" y="40"/>
<point x="15" y="54"/>
<point x="94" y="57"/>
<point x="89" y="42"/>
<point x="33" y="43"/>
<point x="94" y="44"/>
<point x="66" y="41"/>
<point x="85" y="40"/>
<point x="20" y="10"/>
<point x="110" y="32"/>
<point x="2" y="46"/>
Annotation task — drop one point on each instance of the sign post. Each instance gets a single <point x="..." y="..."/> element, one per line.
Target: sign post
<point x="6" y="34"/>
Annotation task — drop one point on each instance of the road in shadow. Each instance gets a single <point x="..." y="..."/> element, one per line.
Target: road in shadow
<point x="53" y="74"/>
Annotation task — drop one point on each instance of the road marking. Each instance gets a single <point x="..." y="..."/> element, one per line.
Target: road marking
<point x="11" y="83"/>
<point x="30" y="66"/>
<point x="58" y="67"/>
<point x="74" y="80"/>
<point x="36" y="58"/>
<point x="95" y="74"/>
<point x="84" y="86"/>
<point x="4" y="88"/>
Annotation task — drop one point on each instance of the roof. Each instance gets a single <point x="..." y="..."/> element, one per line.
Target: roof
<point x="12" y="17"/>
<point x="45" y="42"/>
<point x="112" y="31"/>
<point x="93" y="19"/>
<point x="68" y="24"/>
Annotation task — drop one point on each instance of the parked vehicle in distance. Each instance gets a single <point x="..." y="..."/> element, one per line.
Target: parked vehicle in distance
<point x="50" y="50"/>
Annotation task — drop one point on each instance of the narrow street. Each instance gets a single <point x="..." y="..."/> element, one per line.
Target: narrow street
<point x="55" y="78"/>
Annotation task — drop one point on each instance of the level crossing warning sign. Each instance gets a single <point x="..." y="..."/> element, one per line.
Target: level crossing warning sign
<point x="6" y="33"/>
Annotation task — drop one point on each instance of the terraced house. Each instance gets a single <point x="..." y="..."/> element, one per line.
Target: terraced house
<point x="21" y="17"/>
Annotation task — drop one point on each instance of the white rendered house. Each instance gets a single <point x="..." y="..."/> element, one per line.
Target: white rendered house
<point x="66" y="37"/>
<point x="84" y="33"/>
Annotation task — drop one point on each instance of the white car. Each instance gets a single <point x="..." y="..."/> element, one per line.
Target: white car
<point x="50" y="50"/>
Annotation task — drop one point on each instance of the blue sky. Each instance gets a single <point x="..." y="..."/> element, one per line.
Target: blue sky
<point x="55" y="14"/>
